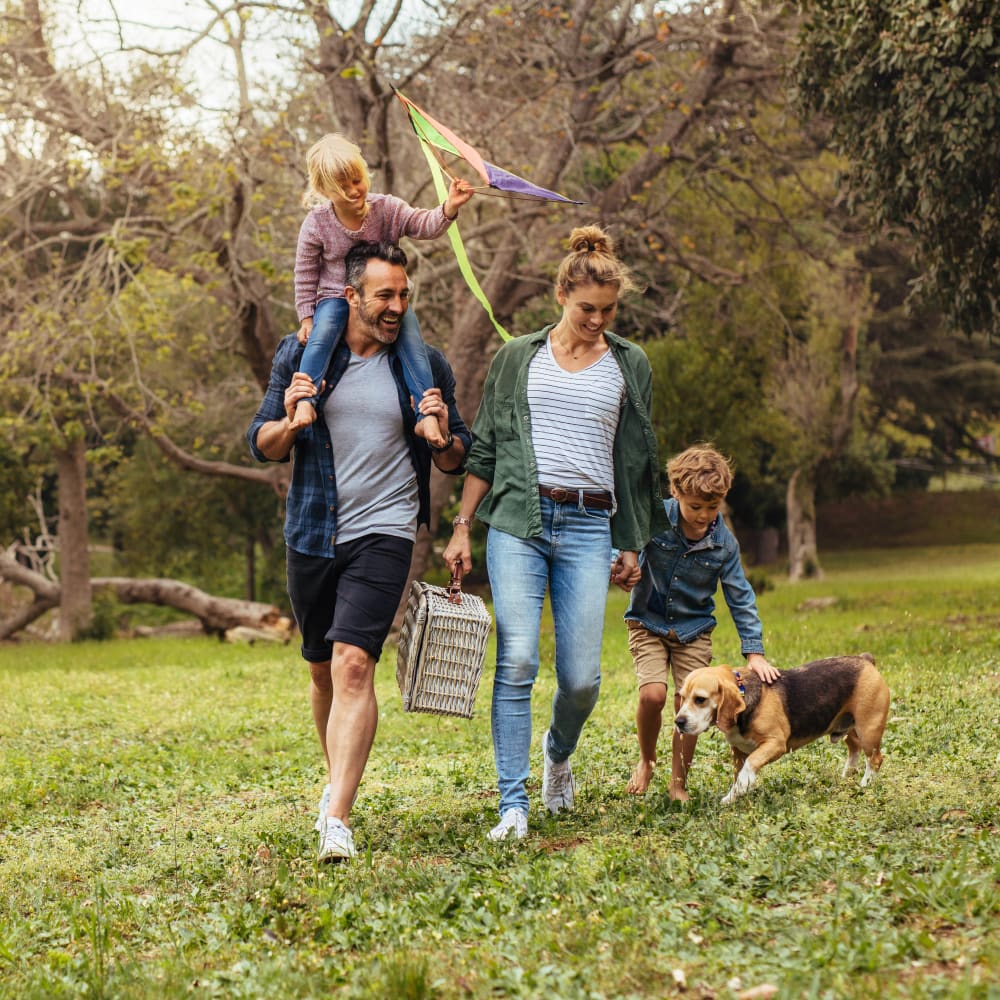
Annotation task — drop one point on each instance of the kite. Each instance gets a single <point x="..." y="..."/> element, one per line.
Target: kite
<point x="435" y="136"/>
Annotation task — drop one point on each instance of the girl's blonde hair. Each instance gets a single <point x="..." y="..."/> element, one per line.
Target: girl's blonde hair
<point x="592" y="260"/>
<point x="330" y="163"/>
<point x="700" y="471"/>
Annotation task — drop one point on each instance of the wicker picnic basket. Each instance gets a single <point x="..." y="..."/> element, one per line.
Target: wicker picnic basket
<point x="442" y="645"/>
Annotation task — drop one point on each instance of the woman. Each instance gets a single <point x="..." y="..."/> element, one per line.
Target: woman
<point x="563" y="466"/>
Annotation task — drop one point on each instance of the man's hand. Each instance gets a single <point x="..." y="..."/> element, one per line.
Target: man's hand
<point x="434" y="427"/>
<point x="301" y="387"/>
<point x="759" y="665"/>
<point x="625" y="572"/>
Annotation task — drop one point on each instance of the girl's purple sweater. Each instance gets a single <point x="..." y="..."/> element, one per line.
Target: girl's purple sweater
<point x="324" y="242"/>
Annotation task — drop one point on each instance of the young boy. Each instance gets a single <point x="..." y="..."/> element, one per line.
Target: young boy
<point x="670" y="618"/>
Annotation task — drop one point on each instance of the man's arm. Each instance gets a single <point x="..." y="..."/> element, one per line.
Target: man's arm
<point x="446" y="434"/>
<point x="275" y="437"/>
<point x="447" y="447"/>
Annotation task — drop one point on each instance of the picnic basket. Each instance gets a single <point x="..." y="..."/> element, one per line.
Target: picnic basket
<point x="442" y="645"/>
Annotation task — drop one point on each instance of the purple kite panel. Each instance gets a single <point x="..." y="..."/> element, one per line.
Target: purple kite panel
<point x="504" y="180"/>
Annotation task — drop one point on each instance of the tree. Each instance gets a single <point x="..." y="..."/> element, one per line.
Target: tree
<point x="911" y="90"/>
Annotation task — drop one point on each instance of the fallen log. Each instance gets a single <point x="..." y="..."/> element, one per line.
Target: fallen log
<point x="217" y="615"/>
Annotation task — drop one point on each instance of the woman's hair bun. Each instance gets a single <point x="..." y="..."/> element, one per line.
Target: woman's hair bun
<point x="590" y="239"/>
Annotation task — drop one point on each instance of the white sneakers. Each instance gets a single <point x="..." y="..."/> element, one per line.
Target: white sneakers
<point x="513" y="823"/>
<point x="558" y="793"/>
<point x="324" y="805"/>
<point x="558" y="787"/>
<point x="336" y="842"/>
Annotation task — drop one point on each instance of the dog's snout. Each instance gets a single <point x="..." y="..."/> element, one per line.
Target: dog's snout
<point x="680" y="722"/>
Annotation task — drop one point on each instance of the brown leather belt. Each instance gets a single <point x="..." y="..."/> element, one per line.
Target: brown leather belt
<point x="600" y="499"/>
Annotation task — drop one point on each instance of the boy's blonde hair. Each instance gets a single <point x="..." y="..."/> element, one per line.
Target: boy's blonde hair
<point x="330" y="162"/>
<point x="592" y="260"/>
<point x="700" y="471"/>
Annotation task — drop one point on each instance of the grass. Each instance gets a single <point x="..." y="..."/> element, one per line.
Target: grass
<point x="157" y="801"/>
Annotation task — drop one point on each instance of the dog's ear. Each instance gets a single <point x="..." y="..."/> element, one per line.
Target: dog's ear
<point x="730" y="705"/>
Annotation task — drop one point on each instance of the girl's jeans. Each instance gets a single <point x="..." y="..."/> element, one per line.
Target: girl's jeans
<point x="573" y="557"/>
<point x="329" y="321"/>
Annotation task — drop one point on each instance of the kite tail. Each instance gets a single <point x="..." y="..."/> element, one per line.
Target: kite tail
<point x="458" y="247"/>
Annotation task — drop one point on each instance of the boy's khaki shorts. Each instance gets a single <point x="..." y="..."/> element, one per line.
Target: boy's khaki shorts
<point x="656" y="657"/>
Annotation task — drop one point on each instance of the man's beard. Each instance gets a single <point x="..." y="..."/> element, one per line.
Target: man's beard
<point x="374" y="329"/>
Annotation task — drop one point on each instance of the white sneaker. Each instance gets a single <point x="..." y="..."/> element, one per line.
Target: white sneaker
<point x="324" y="805"/>
<point x="513" y="821"/>
<point x="558" y="787"/>
<point x="336" y="842"/>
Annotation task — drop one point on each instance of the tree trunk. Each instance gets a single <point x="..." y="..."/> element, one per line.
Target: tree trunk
<point x="803" y="558"/>
<point x="75" y="601"/>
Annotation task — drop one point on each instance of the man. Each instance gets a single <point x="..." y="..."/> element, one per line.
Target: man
<point x="360" y="489"/>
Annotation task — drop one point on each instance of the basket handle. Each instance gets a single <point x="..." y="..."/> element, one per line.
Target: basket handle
<point x="455" y="584"/>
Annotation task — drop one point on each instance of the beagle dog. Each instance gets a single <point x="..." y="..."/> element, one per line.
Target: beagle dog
<point x="843" y="697"/>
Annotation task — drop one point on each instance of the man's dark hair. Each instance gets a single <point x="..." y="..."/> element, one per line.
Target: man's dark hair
<point x="358" y="256"/>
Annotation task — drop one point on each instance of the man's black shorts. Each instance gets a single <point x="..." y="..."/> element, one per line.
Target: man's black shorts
<point x="351" y="598"/>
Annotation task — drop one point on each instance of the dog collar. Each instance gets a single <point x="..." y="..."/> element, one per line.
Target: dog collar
<point x="739" y="682"/>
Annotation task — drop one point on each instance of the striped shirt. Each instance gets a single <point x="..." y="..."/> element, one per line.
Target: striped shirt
<point x="324" y="242"/>
<point x="574" y="417"/>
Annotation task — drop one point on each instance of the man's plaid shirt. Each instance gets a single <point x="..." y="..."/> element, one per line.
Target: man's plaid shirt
<point x="311" y="504"/>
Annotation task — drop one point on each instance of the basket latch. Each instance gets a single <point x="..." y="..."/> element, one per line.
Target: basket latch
<point x="455" y="584"/>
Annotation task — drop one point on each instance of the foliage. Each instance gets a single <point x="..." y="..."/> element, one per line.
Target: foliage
<point x="157" y="812"/>
<point x="151" y="210"/>
<point x="910" y="88"/>
<point x="936" y="391"/>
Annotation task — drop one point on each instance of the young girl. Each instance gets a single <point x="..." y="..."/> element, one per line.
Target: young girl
<point x="346" y="213"/>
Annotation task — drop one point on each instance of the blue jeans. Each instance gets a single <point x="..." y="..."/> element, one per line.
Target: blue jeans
<point x="329" y="321"/>
<point x="572" y="557"/>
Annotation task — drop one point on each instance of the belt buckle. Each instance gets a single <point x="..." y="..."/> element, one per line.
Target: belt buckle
<point x="559" y="494"/>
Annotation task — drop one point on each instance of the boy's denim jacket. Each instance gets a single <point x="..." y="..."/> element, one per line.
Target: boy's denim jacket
<point x="679" y="579"/>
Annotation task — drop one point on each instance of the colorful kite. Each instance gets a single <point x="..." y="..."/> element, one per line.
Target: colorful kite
<point x="435" y="136"/>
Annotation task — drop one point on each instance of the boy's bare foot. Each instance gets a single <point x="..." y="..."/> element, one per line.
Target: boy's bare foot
<point x="642" y="775"/>
<point x="305" y="414"/>
<point x="678" y="793"/>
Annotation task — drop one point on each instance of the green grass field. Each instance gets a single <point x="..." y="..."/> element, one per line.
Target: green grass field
<point x="157" y="801"/>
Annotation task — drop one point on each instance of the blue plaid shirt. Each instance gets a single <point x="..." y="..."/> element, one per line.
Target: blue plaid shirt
<point x="311" y="504"/>
<point x="679" y="579"/>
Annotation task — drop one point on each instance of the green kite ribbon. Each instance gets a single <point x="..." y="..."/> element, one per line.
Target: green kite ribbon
<point x="457" y="246"/>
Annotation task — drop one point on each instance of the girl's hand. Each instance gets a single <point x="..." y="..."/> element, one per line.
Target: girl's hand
<point x="459" y="193"/>
<point x="304" y="330"/>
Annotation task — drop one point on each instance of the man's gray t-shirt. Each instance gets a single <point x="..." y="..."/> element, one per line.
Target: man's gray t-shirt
<point x="376" y="481"/>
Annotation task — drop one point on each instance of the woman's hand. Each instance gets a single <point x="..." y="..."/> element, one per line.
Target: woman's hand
<point x="625" y="572"/>
<point x="459" y="549"/>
